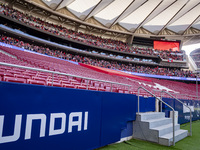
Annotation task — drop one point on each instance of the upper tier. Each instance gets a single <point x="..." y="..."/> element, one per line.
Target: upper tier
<point x="156" y="70"/>
<point x="87" y="39"/>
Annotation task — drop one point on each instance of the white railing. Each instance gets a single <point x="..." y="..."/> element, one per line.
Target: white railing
<point x="181" y="96"/>
<point x="65" y="74"/>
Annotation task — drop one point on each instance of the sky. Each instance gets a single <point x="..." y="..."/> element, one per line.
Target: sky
<point x="189" y="48"/>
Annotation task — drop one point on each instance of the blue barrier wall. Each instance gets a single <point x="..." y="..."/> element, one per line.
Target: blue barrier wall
<point x="147" y="104"/>
<point x="183" y="112"/>
<point x="78" y="119"/>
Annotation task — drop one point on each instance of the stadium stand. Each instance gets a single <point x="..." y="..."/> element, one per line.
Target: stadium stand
<point x="87" y="38"/>
<point x="99" y="62"/>
<point x="26" y="58"/>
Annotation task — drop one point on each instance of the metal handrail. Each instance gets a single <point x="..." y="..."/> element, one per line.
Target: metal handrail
<point x="162" y="102"/>
<point x="177" y="94"/>
<point x="55" y="72"/>
<point x="190" y="134"/>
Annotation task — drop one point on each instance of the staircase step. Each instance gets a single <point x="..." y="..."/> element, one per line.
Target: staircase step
<point x="150" y="115"/>
<point x="165" y="129"/>
<point x="154" y="127"/>
<point x="167" y="139"/>
<point x="158" y="122"/>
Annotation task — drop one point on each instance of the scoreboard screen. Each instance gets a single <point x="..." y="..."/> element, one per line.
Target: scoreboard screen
<point x="166" y="45"/>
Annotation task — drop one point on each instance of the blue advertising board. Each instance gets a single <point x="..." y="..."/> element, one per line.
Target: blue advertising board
<point x="38" y="117"/>
<point x="183" y="111"/>
<point x="147" y="104"/>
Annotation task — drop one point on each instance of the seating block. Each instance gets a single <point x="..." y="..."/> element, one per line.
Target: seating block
<point x="13" y="79"/>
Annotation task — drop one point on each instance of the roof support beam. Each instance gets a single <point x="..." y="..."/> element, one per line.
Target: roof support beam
<point x="58" y="5"/>
<point x="175" y="16"/>
<point x="191" y="24"/>
<point x="144" y="21"/>
<point x="195" y="29"/>
<point x="185" y="13"/>
<point x="95" y="9"/>
<point x="170" y="32"/>
<point x="122" y="13"/>
<point x="65" y="3"/>
<point x="120" y="16"/>
<point x="147" y="16"/>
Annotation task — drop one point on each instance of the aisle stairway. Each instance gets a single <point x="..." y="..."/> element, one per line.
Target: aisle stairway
<point x="154" y="127"/>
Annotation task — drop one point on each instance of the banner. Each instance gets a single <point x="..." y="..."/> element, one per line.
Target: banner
<point x="183" y="111"/>
<point x="38" y="117"/>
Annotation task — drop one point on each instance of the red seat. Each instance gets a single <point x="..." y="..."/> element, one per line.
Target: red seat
<point x="76" y="83"/>
<point x="107" y="88"/>
<point x="13" y="79"/>
<point x="22" y="76"/>
<point x="120" y="91"/>
<point x="92" y="88"/>
<point x="65" y="82"/>
<point x="131" y="92"/>
<point x="54" y="80"/>
<point x="81" y="87"/>
<point x="114" y="90"/>
<point x="6" y="74"/>
<point x="72" y="80"/>
<point x="19" y="69"/>
<point x="126" y="91"/>
<point x="38" y="82"/>
<point x="54" y="84"/>
<point x="68" y="86"/>
<point x="14" y="72"/>
<point x="39" y="79"/>
<point x="101" y="89"/>
<point x="96" y="84"/>
<point x="84" y="84"/>
<point x="78" y="79"/>
<point x="28" y="74"/>
<point x="2" y="70"/>
<point x="42" y="76"/>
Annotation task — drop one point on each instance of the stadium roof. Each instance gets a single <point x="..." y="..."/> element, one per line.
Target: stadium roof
<point x="155" y="17"/>
<point x="152" y="15"/>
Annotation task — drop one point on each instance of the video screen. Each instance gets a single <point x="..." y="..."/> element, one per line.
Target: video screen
<point x="166" y="45"/>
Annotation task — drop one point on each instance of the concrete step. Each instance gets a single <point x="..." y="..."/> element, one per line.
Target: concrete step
<point x="150" y="115"/>
<point x="156" y="128"/>
<point x="158" y="122"/>
<point x="165" y="129"/>
<point x="167" y="139"/>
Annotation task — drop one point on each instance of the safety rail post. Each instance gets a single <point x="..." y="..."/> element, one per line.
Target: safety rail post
<point x="190" y="134"/>
<point x="163" y="103"/>
<point x="52" y="79"/>
<point x="111" y="88"/>
<point x="160" y="103"/>
<point x="87" y="84"/>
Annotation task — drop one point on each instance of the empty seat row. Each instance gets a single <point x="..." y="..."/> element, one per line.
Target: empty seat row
<point x="26" y="58"/>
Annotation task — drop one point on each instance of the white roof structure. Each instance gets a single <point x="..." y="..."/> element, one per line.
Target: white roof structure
<point x="153" y="17"/>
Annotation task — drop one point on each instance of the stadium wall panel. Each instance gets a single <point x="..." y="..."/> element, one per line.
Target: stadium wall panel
<point x="183" y="111"/>
<point x="96" y="118"/>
